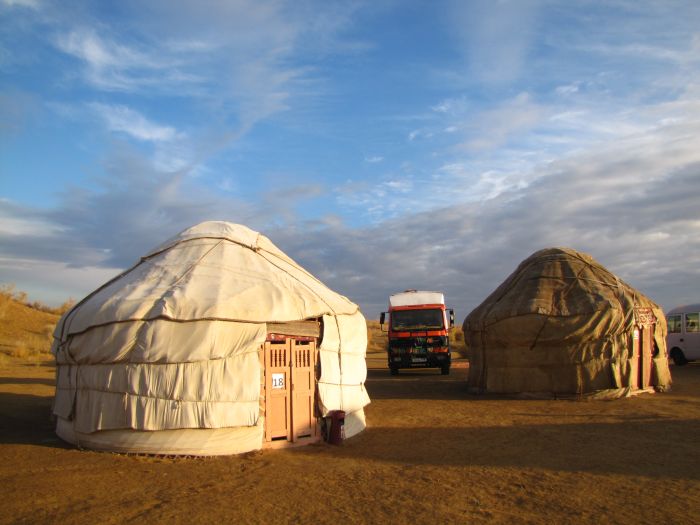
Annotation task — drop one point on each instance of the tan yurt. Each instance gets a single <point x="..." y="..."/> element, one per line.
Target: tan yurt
<point x="214" y="343"/>
<point x="562" y="325"/>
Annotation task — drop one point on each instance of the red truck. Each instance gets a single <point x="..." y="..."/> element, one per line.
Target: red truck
<point x="419" y="326"/>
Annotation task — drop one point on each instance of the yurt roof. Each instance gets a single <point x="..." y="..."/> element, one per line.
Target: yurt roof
<point x="559" y="282"/>
<point x="214" y="270"/>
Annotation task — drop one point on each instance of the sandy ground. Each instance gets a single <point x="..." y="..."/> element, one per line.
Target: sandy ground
<point x="431" y="454"/>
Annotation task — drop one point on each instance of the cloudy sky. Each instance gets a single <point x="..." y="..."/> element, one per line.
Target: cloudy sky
<point x="384" y="145"/>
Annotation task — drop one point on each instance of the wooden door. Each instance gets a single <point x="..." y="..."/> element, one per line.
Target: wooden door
<point x="290" y="390"/>
<point x="645" y="323"/>
<point x="642" y="356"/>
<point x="646" y="345"/>
<point x="303" y="389"/>
<point x="277" y="390"/>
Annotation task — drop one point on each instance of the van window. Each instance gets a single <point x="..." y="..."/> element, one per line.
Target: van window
<point x="691" y="322"/>
<point x="674" y="324"/>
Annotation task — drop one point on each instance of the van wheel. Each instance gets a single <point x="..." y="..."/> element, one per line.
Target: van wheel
<point x="678" y="357"/>
<point x="445" y="370"/>
<point x="394" y="371"/>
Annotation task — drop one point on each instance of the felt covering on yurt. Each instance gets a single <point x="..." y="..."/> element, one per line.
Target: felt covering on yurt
<point x="562" y="325"/>
<point x="164" y="357"/>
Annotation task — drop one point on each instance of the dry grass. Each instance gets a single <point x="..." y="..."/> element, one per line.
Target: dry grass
<point x="8" y="295"/>
<point x="26" y="332"/>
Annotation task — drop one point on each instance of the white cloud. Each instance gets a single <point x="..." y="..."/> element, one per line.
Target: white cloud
<point x="227" y="184"/>
<point x="53" y="282"/>
<point x="15" y="224"/>
<point x="111" y="65"/>
<point x="31" y="4"/>
<point x="568" y="89"/>
<point x="452" y="106"/>
<point x="192" y="45"/>
<point x="373" y="159"/>
<point x="631" y="204"/>
<point x="647" y="52"/>
<point x="240" y="62"/>
<point x="492" y="128"/>
<point x="126" y="120"/>
<point x="577" y="160"/>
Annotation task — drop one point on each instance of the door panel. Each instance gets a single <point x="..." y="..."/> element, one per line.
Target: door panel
<point x="303" y="389"/>
<point x="277" y="390"/>
<point x="645" y="356"/>
<point x="290" y="390"/>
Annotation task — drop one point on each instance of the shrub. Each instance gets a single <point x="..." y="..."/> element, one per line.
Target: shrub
<point x="7" y="293"/>
<point x="67" y="305"/>
<point x="20" y="350"/>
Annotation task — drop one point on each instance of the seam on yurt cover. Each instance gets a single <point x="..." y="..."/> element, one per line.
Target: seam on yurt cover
<point x="189" y="269"/>
<point x="564" y="278"/>
<point x="140" y="329"/>
<point x="164" y="363"/>
<point x="330" y="308"/>
<point x="192" y="239"/>
<point x="70" y="315"/>
<point x="298" y="267"/>
<point x="257" y="249"/>
<point x="177" y="400"/>
<point x="176" y="320"/>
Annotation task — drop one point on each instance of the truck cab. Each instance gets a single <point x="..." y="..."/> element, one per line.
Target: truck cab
<point x="418" y="330"/>
<point x="683" y="338"/>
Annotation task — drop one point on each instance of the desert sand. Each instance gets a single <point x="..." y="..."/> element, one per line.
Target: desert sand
<point x="432" y="453"/>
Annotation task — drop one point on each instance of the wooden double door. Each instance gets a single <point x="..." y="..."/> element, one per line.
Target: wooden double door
<point x="289" y="391"/>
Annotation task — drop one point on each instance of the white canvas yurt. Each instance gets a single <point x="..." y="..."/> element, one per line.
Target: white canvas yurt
<point x="562" y="325"/>
<point x="214" y="343"/>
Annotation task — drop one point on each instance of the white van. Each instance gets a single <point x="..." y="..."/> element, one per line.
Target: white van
<point x="683" y="339"/>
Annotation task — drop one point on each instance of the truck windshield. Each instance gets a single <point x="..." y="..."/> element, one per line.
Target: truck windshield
<point x="417" y="319"/>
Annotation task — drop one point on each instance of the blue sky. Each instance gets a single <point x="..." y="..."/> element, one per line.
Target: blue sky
<point x="384" y="145"/>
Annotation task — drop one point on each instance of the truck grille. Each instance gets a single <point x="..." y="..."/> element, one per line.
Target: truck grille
<point x="417" y="345"/>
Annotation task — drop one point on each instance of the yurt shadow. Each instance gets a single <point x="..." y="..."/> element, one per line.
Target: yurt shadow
<point x="27" y="381"/>
<point x="26" y="420"/>
<point x="630" y="448"/>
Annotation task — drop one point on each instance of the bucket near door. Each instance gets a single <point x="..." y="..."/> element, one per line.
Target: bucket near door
<point x="336" y="432"/>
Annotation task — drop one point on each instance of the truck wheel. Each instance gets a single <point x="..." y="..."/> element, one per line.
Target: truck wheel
<point x="445" y="370"/>
<point x="394" y="371"/>
<point x="678" y="357"/>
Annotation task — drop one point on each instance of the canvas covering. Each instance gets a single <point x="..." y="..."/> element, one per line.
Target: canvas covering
<point x="172" y="343"/>
<point x="561" y="325"/>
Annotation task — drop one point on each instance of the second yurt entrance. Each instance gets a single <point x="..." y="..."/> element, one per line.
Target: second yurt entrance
<point x="289" y="360"/>
<point x="643" y="348"/>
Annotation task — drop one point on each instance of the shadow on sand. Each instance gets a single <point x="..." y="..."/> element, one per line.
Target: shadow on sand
<point x="630" y="448"/>
<point x="26" y="419"/>
<point x="49" y="381"/>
